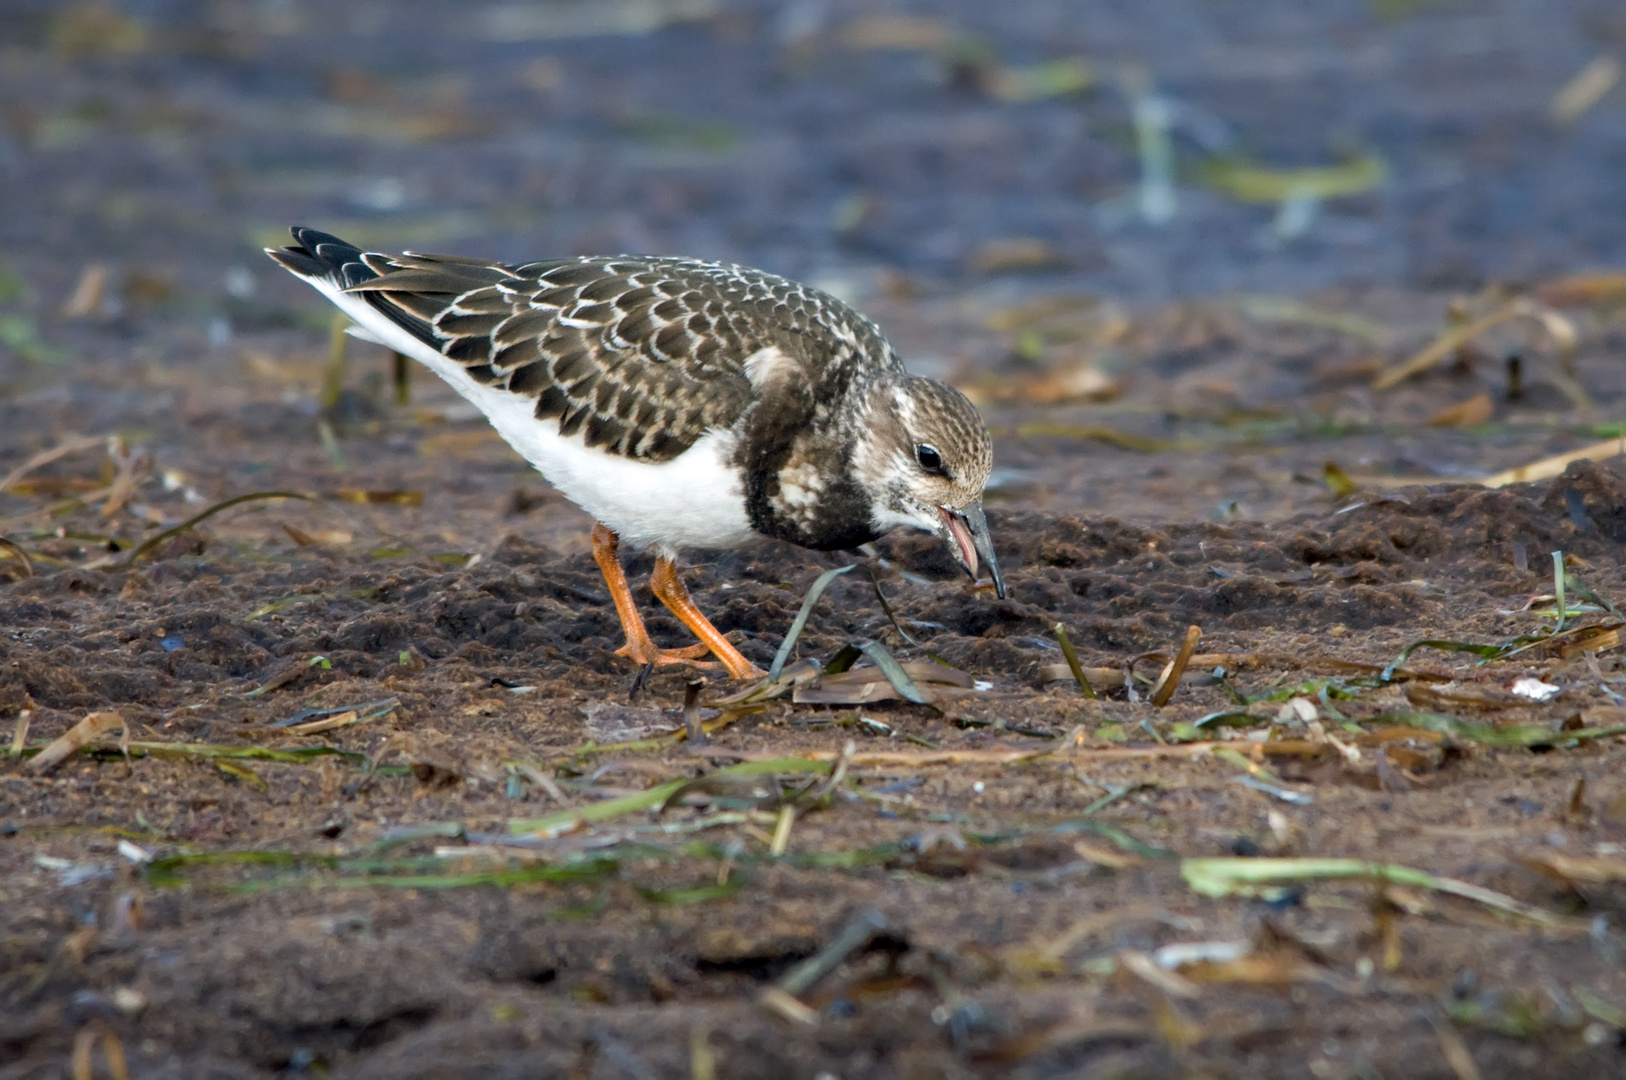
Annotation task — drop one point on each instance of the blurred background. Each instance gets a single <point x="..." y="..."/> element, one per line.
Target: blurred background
<point x="1137" y="218"/>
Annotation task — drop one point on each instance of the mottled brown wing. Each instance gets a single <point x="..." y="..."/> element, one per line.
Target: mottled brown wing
<point x="640" y="355"/>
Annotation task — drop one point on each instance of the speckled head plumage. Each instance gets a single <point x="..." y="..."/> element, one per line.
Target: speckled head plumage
<point x="923" y="455"/>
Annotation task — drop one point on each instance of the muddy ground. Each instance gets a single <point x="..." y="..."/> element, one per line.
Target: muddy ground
<point x="366" y="821"/>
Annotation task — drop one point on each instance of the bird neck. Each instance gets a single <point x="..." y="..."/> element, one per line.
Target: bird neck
<point x="797" y="456"/>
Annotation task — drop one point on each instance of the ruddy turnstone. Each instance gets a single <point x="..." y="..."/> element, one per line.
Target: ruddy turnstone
<point x="682" y="404"/>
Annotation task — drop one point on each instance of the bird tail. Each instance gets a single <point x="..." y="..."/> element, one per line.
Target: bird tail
<point x="318" y="256"/>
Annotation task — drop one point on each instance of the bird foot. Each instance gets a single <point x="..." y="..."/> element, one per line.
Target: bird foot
<point x="647" y="652"/>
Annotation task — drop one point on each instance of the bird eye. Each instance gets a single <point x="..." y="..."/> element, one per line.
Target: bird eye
<point x="929" y="458"/>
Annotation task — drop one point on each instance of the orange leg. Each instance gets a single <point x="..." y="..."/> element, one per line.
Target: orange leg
<point x="638" y="647"/>
<point x="669" y="588"/>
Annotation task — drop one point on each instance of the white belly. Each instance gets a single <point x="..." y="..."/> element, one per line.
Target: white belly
<point x="694" y="500"/>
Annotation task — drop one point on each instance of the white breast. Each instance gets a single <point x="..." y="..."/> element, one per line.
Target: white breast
<point x="694" y="500"/>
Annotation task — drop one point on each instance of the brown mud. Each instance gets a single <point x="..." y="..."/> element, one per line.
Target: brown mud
<point x="978" y="866"/>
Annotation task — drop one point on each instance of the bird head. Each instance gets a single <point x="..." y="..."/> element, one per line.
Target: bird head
<point x="924" y="456"/>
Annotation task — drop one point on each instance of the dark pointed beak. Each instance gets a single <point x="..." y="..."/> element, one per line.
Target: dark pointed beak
<point x="969" y="530"/>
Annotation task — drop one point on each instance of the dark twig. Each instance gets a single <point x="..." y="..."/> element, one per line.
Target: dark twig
<point x="863" y="928"/>
<point x="692" y="725"/>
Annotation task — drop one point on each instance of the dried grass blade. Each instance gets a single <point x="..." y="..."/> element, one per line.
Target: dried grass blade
<point x="1585" y="592"/>
<point x="45" y="457"/>
<point x="16" y="549"/>
<point x="1585" y="89"/>
<point x="702" y="1058"/>
<point x="243" y="773"/>
<point x="837" y="774"/>
<point x="860" y="692"/>
<point x="1567" y="339"/>
<point x="1449" y="342"/>
<point x="729" y="715"/>
<point x="650" y="798"/>
<point x="1073" y="666"/>
<point x="1578" y="290"/>
<point x="1592" y="869"/>
<point x="781" y="831"/>
<point x="1599" y="1009"/>
<point x="1456" y="1051"/>
<point x="1548" y="467"/>
<point x="132" y="468"/>
<point x="1571" y="636"/>
<point x="1596" y="641"/>
<point x="217" y="751"/>
<point x="889" y="666"/>
<point x="113" y="1049"/>
<point x="326" y="723"/>
<point x="1484" y="652"/>
<point x="785" y="1005"/>
<point x="153" y="542"/>
<point x="312" y="721"/>
<point x="522" y="875"/>
<point x="79" y="736"/>
<point x="1465" y="414"/>
<point x="1145" y="968"/>
<point x="1230" y="877"/>
<point x="1105" y="678"/>
<point x="166" y="871"/>
<point x="1054" y="949"/>
<point x="1280" y="309"/>
<point x="1489" y="735"/>
<point x="910" y="760"/>
<point x="545" y="782"/>
<point x="84" y="1041"/>
<point x="804" y="670"/>
<point x="1248" y="182"/>
<point x="1170" y="680"/>
<point x="393" y="497"/>
<point x="19" y="734"/>
<point x="800" y="621"/>
<point x="1558" y="591"/>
